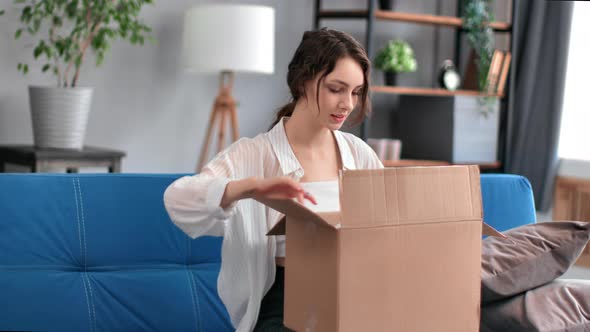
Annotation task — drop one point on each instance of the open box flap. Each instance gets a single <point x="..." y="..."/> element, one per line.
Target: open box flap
<point x="292" y="208"/>
<point x="409" y="195"/>
<point x="396" y="196"/>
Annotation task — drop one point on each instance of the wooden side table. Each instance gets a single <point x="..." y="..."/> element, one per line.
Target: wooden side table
<point x="43" y="160"/>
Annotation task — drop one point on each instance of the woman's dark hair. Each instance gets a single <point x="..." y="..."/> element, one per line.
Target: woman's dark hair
<point x="317" y="53"/>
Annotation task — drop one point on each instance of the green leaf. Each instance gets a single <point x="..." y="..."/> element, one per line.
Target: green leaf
<point x="46" y="67"/>
<point x="71" y="9"/>
<point x="25" y="68"/>
<point x="26" y="15"/>
<point x="18" y="33"/>
<point x="99" y="58"/>
<point x="48" y="52"/>
<point x="36" y="24"/>
<point x="1" y="12"/>
<point x="57" y="21"/>
<point x="20" y="66"/>
<point x="38" y="50"/>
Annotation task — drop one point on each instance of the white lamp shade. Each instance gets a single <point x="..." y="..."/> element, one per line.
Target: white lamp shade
<point x="229" y="37"/>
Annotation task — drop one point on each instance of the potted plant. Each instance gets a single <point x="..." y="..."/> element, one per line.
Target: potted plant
<point x="65" y="32"/>
<point x="395" y="57"/>
<point x="477" y="15"/>
<point x="476" y="18"/>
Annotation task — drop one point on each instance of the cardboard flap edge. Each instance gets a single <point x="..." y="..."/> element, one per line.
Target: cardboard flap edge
<point x="491" y="231"/>
<point x="279" y="228"/>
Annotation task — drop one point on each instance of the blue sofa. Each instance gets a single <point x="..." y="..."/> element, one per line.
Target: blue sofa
<point x="97" y="252"/>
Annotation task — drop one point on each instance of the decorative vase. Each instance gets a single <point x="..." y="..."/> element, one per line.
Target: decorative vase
<point x="59" y="116"/>
<point x="390" y="78"/>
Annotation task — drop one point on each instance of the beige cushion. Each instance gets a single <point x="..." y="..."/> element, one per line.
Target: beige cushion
<point x="562" y="305"/>
<point x="531" y="255"/>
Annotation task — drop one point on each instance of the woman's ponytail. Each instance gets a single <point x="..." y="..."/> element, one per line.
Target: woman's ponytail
<point x="286" y="110"/>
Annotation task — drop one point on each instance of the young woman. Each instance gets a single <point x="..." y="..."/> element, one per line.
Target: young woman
<point x="299" y="158"/>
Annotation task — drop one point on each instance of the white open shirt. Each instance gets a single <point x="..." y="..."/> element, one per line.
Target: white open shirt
<point x="247" y="254"/>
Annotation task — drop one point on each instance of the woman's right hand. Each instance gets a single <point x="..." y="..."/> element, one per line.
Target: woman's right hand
<point x="274" y="188"/>
<point x="281" y="188"/>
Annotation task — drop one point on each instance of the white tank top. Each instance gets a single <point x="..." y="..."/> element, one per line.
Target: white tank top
<point x="326" y="194"/>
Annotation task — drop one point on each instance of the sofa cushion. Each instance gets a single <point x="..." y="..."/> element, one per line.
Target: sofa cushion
<point x="530" y="256"/>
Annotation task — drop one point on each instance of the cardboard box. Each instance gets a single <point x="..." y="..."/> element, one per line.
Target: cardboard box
<point x="403" y="254"/>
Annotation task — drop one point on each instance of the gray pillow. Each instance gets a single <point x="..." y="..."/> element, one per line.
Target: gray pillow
<point x="531" y="255"/>
<point x="562" y="305"/>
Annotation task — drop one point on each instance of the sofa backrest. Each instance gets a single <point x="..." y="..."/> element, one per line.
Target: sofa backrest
<point x="97" y="252"/>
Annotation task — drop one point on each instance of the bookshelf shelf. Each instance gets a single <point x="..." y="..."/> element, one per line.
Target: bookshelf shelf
<point x="448" y="21"/>
<point x="402" y="90"/>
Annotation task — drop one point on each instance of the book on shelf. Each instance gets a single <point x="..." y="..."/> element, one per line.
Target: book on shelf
<point x="504" y="74"/>
<point x="494" y="71"/>
<point x="497" y="72"/>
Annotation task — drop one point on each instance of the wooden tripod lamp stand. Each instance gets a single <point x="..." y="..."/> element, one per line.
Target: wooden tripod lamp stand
<point x="224" y="109"/>
<point x="227" y="38"/>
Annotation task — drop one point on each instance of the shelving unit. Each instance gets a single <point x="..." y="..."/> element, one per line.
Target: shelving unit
<point x="373" y="14"/>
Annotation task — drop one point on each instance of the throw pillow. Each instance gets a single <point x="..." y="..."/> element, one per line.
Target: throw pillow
<point x="560" y="306"/>
<point x="530" y="256"/>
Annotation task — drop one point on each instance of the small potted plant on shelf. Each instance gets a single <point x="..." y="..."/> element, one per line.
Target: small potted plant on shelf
<point x="395" y="57"/>
<point x="65" y="32"/>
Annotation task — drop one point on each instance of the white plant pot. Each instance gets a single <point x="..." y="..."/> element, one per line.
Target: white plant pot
<point x="59" y="116"/>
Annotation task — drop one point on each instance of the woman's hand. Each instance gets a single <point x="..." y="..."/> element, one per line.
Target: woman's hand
<point x="281" y="188"/>
<point x="274" y="188"/>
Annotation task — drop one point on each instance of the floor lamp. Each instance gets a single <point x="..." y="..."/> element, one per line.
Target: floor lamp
<point x="227" y="39"/>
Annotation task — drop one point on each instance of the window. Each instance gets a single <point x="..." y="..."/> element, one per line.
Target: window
<point x="574" y="136"/>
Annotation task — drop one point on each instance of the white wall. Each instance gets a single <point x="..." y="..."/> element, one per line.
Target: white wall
<point x="145" y="105"/>
<point x="143" y="102"/>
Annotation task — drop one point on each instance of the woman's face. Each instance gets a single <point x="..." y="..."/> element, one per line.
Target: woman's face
<point x="339" y="93"/>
